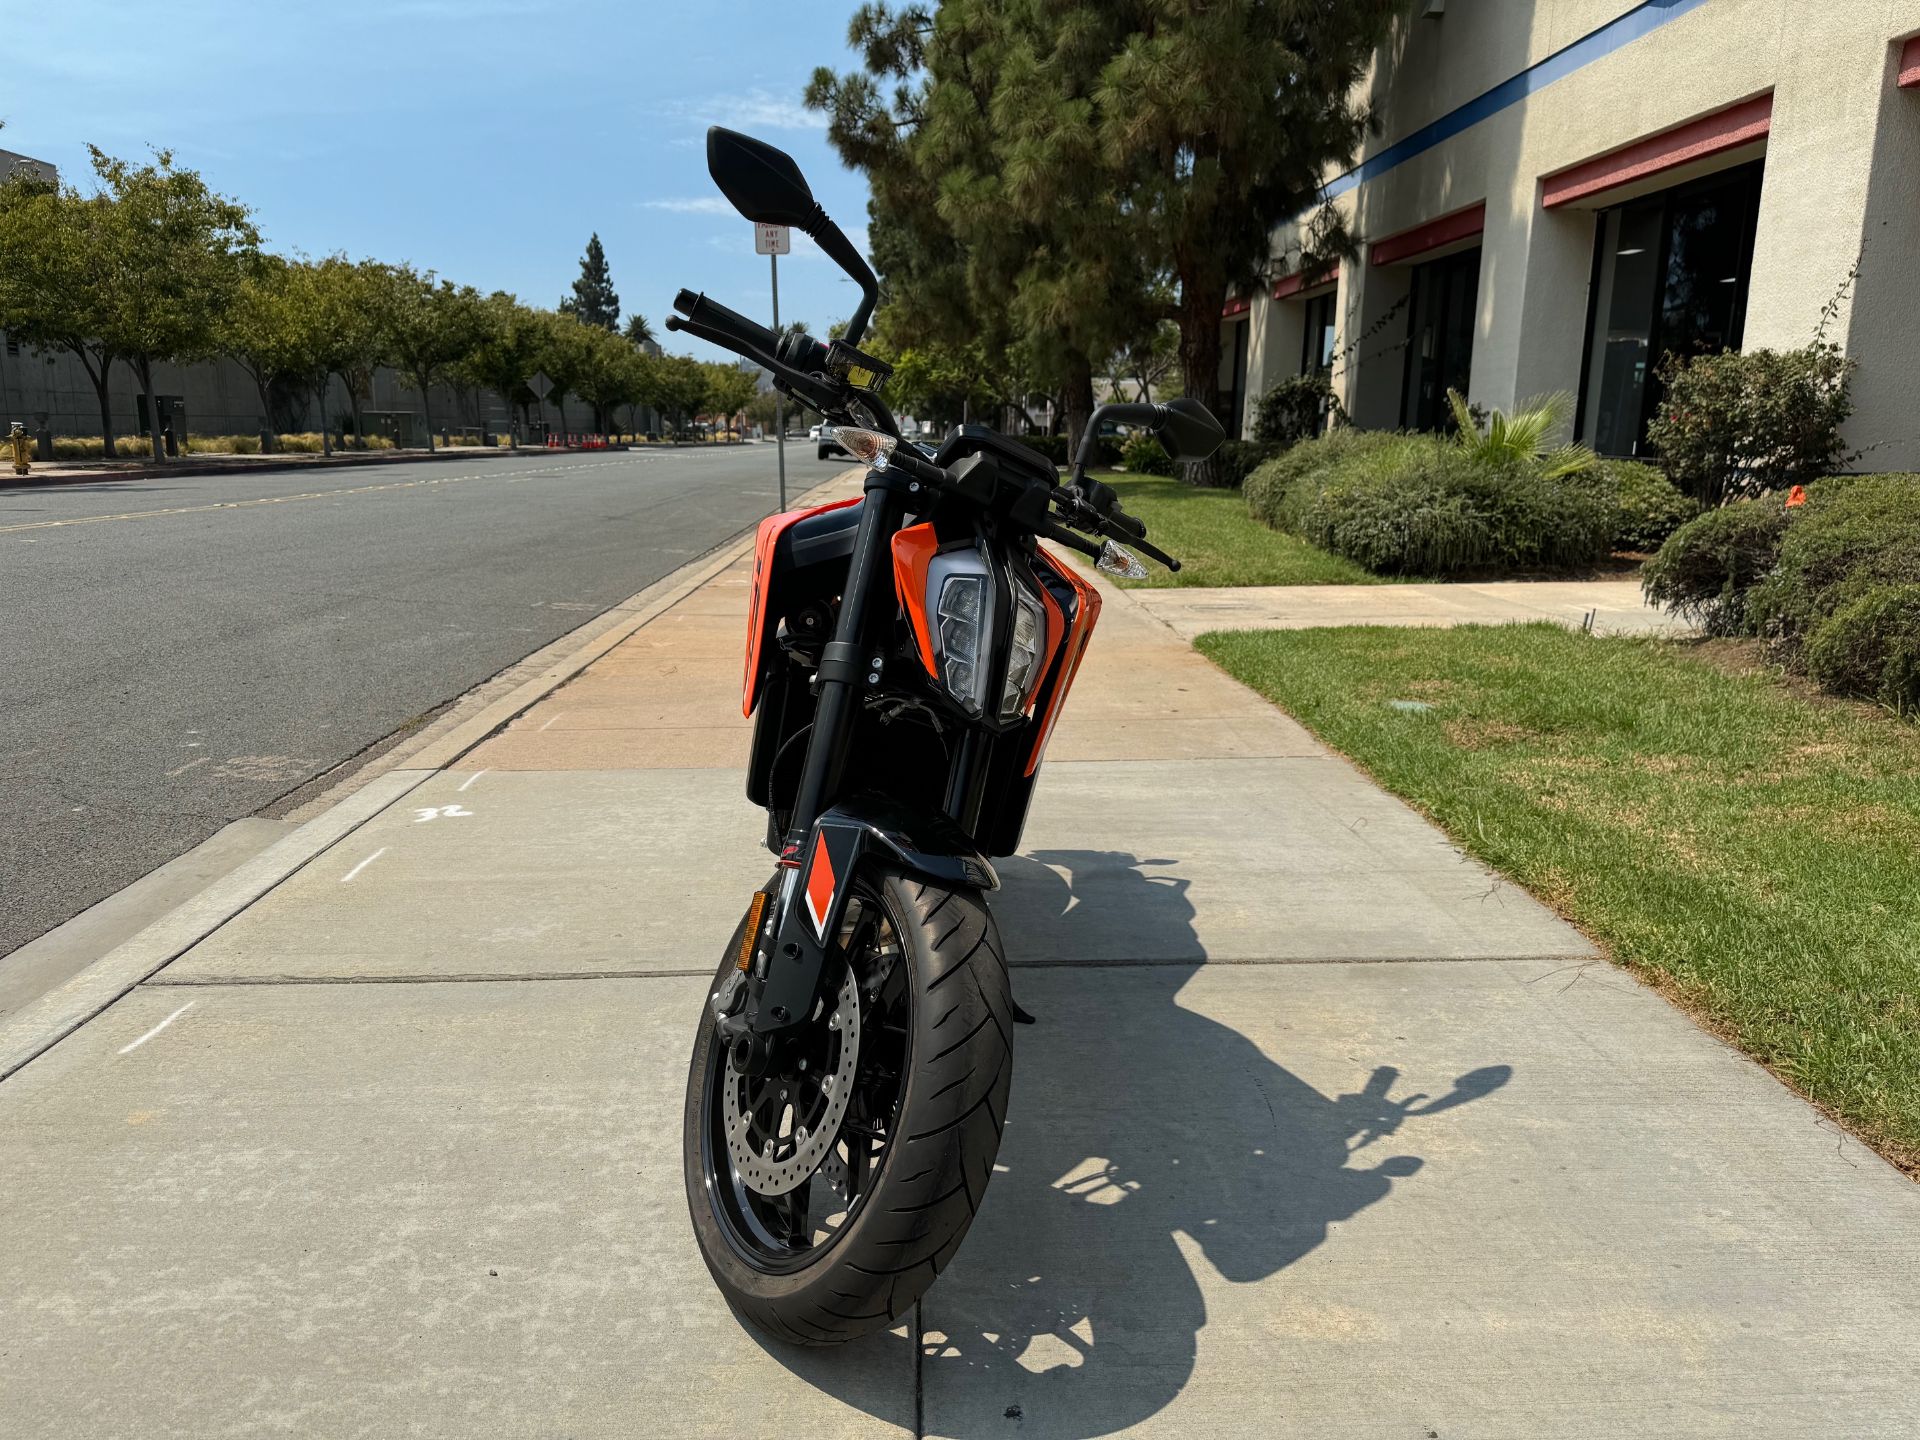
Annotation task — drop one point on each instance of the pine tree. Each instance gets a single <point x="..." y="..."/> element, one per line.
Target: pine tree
<point x="593" y="301"/>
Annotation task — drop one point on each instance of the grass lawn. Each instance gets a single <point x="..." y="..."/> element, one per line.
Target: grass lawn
<point x="1217" y="543"/>
<point x="1754" y="853"/>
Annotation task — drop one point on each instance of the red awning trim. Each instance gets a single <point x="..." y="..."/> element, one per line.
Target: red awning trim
<point x="1235" y="306"/>
<point x="1460" y="225"/>
<point x="1288" y="286"/>
<point x="1700" y="139"/>
<point x="1910" y="64"/>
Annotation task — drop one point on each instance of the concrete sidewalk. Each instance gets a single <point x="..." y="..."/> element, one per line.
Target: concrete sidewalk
<point x="1617" y="606"/>
<point x="1324" y="1130"/>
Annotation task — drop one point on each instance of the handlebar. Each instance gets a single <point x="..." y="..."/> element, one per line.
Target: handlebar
<point x="715" y="316"/>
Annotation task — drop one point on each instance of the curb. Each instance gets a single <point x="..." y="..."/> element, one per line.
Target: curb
<point x="37" y="1027"/>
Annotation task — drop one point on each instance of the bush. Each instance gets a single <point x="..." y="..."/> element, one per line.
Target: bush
<point x="1706" y="568"/>
<point x="1647" y="507"/>
<point x="223" y="445"/>
<point x="81" y="447"/>
<point x="1144" y="455"/>
<point x="1419" y="505"/>
<point x="1298" y="408"/>
<point x="1851" y="538"/>
<point x="1237" y="459"/>
<point x="1870" y="647"/>
<point x="1738" y="424"/>
<point x="1270" y="481"/>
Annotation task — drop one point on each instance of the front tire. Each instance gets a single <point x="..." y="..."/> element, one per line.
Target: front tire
<point x="945" y="1022"/>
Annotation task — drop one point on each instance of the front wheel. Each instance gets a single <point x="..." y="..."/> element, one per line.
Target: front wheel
<point x="828" y="1191"/>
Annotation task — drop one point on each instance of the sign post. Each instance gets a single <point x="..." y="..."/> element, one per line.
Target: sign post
<point x="773" y="241"/>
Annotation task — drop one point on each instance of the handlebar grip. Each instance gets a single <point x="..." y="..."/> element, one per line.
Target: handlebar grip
<point x="715" y="316"/>
<point x="1135" y="527"/>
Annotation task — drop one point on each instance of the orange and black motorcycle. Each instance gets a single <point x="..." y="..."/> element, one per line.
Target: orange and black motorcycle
<point x="908" y="653"/>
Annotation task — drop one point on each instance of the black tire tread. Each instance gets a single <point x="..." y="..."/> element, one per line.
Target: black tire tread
<point x="949" y="1133"/>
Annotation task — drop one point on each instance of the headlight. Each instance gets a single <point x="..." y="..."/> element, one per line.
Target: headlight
<point x="962" y="609"/>
<point x="1023" y="659"/>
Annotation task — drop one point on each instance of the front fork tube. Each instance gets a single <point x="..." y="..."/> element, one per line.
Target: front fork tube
<point x="798" y="950"/>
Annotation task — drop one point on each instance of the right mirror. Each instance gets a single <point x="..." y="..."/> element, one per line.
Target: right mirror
<point x="1189" y="432"/>
<point x="763" y="183"/>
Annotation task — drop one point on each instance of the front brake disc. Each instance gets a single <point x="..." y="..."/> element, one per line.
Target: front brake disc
<point x="780" y="1125"/>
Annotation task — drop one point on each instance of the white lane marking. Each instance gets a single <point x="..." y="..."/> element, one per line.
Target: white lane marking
<point x="469" y="780"/>
<point x="125" y="1049"/>
<point x="434" y="812"/>
<point x="182" y="769"/>
<point x="557" y="715"/>
<point x="363" y="864"/>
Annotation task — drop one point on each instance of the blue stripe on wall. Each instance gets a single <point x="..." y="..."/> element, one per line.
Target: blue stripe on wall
<point x="1641" y="20"/>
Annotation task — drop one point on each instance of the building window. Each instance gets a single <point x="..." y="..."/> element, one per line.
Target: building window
<point x="1232" y="376"/>
<point x="1441" y="311"/>
<point x="1316" y="348"/>
<point x="1670" y="277"/>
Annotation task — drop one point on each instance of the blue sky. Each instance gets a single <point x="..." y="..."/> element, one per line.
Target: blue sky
<point x="484" y="139"/>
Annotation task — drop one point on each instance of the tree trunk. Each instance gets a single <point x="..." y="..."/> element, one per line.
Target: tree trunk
<point x="1199" y="318"/>
<point x="426" y="409"/>
<point x="144" y="369"/>
<point x="560" y="402"/>
<point x="100" y="380"/>
<point x="320" y="392"/>
<point x="1078" y="401"/>
<point x="266" y="414"/>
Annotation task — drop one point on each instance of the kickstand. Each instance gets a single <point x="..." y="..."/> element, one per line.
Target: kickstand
<point x="1020" y="1017"/>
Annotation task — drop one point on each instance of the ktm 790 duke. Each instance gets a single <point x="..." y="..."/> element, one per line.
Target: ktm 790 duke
<point x="908" y="654"/>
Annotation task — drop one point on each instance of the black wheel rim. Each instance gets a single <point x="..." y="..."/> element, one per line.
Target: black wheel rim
<point x="779" y="1234"/>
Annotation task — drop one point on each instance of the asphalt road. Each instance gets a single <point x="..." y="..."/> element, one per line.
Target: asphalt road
<point x="178" y="653"/>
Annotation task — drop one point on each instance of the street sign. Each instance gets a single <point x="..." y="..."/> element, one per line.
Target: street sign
<point x="772" y="240"/>
<point x="539" y="384"/>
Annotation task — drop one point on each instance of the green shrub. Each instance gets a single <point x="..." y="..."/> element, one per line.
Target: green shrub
<point x="1271" y="480"/>
<point x="81" y="447"/>
<point x="1419" y="505"/>
<point x="1870" y="647"/>
<point x="1706" y="568"/>
<point x="1519" y="437"/>
<point x="300" y="444"/>
<point x="1738" y="424"/>
<point x="1850" y="538"/>
<point x="1298" y="408"/>
<point x="1144" y="455"/>
<point x="1235" y="460"/>
<point x="1647" y="507"/>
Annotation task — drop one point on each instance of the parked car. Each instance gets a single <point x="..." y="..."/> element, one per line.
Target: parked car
<point x="822" y="437"/>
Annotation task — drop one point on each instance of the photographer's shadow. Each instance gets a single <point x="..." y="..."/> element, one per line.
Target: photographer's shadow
<point x="1134" y="1122"/>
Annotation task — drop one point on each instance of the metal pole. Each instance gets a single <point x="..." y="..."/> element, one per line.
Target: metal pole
<point x="779" y="401"/>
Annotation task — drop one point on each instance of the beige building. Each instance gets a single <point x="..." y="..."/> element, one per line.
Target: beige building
<point x="1563" y="191"/>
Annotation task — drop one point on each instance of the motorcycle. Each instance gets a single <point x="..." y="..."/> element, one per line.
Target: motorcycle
<point x="908" y="654"/>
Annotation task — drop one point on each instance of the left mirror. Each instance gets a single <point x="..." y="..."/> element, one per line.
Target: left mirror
<point x="762" y="183"/>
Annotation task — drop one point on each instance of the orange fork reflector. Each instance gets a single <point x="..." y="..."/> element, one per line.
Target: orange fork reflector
<point x="756" y="912"/>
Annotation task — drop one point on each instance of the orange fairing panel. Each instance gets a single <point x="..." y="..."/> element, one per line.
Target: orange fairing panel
<point x="913" y="551"/>
<point x="1086" y="612"/>
<point x="765" y="541"/>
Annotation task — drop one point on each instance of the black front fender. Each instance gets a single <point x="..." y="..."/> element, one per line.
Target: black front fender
<point x="816" y="883"/>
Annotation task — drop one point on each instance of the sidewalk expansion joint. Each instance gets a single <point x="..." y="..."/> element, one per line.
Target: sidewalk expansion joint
<point x="1184" y="962"/>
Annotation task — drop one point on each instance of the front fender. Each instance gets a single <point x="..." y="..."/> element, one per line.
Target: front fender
<point x="815" y="887"/>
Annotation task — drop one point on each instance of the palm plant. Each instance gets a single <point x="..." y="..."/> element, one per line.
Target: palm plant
<point x="1521" y="438"/>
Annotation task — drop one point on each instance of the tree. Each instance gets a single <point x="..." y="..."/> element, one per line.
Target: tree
<point x="274" y="331"/>
<point x="55" y="268"/>
<point x="1084" y="154"/>
<point x="613" y="374"/>
<point x="563" y="355"/>
<point x="506" y="352"/>
<point x="729" y="388"/>
<point x="593" y="301"/>
<point x="177" y="253"/>
<point x="680" y="388"/>
<point x="638" y="331"/>
<point x="433" y="325"/>
<point x="356" y="299"/>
